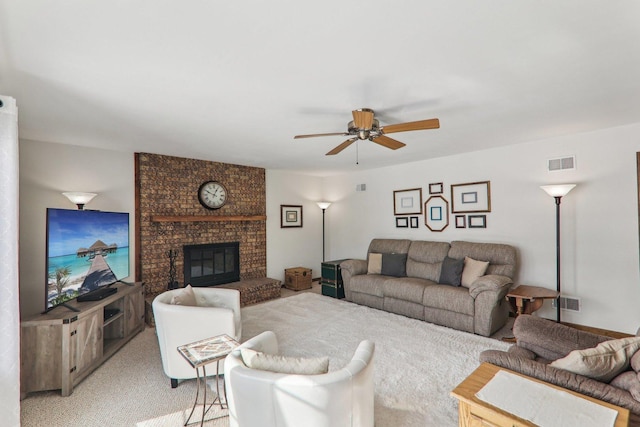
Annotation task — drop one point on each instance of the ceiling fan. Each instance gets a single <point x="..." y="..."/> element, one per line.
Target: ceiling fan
<point x="366" y="126"/>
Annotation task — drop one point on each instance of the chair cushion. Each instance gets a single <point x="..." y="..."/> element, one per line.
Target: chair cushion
<point x="472" y="270"/>
<point x="602" y="362"/>
<point x="184" y="297"/>
<point x="451" y="272"/>
<point x="283" y="364"/>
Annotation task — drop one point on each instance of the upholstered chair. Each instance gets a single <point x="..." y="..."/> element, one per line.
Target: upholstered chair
<point x="182" y="317"/>
<point x="261" y="398"/>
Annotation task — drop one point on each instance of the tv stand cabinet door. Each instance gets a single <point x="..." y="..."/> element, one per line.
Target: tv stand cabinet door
<point x="88" y="345"/>
<point x="134" y="312"/>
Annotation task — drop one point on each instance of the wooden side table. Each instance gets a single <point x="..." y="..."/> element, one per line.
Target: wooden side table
<point x="474" y="412"/>
<point x="526" y="299"/>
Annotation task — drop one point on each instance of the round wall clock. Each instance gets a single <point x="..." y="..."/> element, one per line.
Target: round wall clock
<point x="212" y="195"/>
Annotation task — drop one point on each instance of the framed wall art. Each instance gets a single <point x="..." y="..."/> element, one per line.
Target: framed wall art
<point x="477" y="221"/>
<point x="290" y="216"/>
<point x="436" y="213"/>
<point x="461" y="221"/>
<point x="471" y="197"/>
<point x="402" y="222"/>
<point x="413" y="220"/>
<point x="436" y="188"/>
<point x="407" y="202"/>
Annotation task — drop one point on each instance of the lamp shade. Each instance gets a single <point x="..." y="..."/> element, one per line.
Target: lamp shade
<point x="79" y="198"/>
<point x="324" y="205"/>
<point x="558" y="190"/>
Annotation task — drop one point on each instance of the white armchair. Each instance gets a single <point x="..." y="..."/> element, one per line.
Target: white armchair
<point x="217" y="312"/>
<point x="342" y="398"/>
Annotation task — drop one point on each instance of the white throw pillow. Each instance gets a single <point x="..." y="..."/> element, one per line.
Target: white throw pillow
<point x="603" y="362"/>
<point x="375" y="264"/>
<point x="472" y="270"/>
<point x="185" y="297"/>
<point x="283" y="364"/>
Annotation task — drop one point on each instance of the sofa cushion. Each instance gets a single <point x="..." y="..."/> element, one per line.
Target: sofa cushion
<point x="451" y="273"/>
<point x="424" y="259"/>
<point x="502" y="258"/>
<point x="449" y="298"/>
<point x="472" y="270"/>
<point x="184" y="297"/>
<point x="629" y="381"/>
<point x="368" y="284"/>
<point x="602" y="362"/>
<point x="284" y="364"/>
<point x="394" y="265"/>
<point x="375" y="263"/>
<point x="406" y="288"/>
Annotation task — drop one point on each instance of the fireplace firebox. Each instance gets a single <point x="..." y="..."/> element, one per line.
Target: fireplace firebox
<point x="211" y="264"/>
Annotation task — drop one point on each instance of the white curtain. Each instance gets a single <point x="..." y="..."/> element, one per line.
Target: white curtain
<point x="9" y="290"/>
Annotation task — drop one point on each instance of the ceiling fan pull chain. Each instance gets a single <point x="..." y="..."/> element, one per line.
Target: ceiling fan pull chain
<point x="357" y="145"/>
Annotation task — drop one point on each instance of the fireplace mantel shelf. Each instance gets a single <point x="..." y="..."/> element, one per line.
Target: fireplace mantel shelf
<point x="206" y="218"/>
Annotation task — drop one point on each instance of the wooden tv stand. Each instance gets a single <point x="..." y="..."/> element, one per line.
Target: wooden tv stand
<point x="61" y="347"/>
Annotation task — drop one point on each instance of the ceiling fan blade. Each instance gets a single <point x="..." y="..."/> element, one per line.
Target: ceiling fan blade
<point x="385" y="141"/>
<point x="313" y="135"/>
<point x="342" y="146"/>
<point x="363" y="118"/>
<point x="419" y="125"/>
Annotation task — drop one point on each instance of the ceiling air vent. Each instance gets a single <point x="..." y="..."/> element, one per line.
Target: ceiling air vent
<point x="561" y="163"/>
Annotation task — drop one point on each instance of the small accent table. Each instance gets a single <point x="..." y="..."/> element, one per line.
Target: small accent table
<point x="526" y="299"/>
<point x="201" y="353"/>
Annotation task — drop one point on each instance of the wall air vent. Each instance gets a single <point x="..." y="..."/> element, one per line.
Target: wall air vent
<point x="361" y="187"/>
<point x="561" y="164"/>
<point x="568" y="303"/>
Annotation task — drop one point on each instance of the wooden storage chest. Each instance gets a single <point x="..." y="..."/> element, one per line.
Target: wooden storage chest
<point x="331" y="279"/>
<point x="297" y="278"/>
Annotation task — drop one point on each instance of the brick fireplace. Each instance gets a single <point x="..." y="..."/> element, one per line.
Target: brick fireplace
<point x="211" y="264"/>
<point x="169" y="216"/>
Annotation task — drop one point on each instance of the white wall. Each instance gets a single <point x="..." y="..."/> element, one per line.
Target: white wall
<point x="46" y="170"/>
<point x="294" y="247"/>
<point x="600" y="259"/>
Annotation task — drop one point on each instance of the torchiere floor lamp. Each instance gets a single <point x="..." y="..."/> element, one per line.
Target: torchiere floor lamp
<point x="323" y="206"/>
<point x="558" y="192"/>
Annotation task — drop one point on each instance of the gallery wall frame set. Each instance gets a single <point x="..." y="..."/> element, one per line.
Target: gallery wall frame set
<point x="407" y="202"/>
<point x="471" y="197"/>
<point x="290" y="216"/>
<point x="471" y="221"/>
<point x="436" y="213"/>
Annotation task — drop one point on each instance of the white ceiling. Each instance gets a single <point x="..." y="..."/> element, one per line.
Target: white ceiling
<point x="233" y="81"/>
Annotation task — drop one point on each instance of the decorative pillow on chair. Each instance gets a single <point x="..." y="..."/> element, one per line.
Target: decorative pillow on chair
<point x="185" y="297"/>
<point x="394" y="265"/>
<point x="629" y="381"/>
<point x="602" y="362"/>
<point x="283" y="364"/>
<point x="375" y="264"/>
<point x="472" y="270"/>
<point x="451" y="271"/>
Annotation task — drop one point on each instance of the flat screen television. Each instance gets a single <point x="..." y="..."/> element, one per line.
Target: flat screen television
<point x="86" y="251"/>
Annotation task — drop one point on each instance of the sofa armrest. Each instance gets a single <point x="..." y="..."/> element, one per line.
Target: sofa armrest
<point x="551" y="340"/>
<point x="350" y="268"/>
<point x="490" y="282"/>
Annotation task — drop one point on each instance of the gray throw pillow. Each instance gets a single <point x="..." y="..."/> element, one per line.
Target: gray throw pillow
<point x="394" y="265"/>
<point x="451" y="272"/>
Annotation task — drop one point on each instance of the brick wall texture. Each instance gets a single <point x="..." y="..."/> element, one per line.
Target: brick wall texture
<point x="168" y="185"/>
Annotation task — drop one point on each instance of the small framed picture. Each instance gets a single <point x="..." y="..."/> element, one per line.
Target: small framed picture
<point x="461" y="221"/>
<point x="436" y="213"/>
<point x="413" y="220"/>
<point x="402" y="222"/>
<point x="436" y="188"/>
<point x="290" y="216"/>
<point x="407" y="202"/>
<point x="477" y="221"/>
<point x="472" y="197"/>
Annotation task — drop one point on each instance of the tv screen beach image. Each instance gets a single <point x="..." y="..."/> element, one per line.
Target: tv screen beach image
<point x="86" y="250"/>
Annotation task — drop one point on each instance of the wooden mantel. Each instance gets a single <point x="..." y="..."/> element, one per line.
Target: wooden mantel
<point x="206" y="218"/>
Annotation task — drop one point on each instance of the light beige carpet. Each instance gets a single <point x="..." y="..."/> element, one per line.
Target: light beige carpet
<point x="417" y="364"/>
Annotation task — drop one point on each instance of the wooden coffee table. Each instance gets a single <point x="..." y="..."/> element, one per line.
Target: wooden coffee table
<point x="526" y="299"/>
<point x="475" y="412"/>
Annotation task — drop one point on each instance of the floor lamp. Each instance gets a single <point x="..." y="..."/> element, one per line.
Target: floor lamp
<point x="557" y="192"/>
<point x="323" y="206"/>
